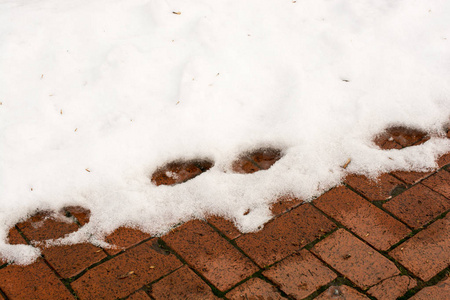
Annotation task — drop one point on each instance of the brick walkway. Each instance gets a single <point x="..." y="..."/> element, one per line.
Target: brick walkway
<point x="361" y="240"/>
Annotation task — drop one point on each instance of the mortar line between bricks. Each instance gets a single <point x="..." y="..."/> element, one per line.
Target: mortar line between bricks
<point x="62" y="280"/>
<point x="414" y="232"/>
<point x="148" y="286"/>
<point x="384" y="201"/>
<point x="3" y="295"/>
<point x="421" y="285"/>
<point x="214" y="289"/>
<point x="233" y="243"/>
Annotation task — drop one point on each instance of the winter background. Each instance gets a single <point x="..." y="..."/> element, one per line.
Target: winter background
<point x="121" y="87"/>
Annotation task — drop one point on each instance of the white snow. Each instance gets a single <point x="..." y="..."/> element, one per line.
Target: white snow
<point x="96" y="95"/>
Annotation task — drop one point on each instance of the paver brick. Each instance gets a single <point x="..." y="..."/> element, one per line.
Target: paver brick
<point x="417" y="206"/>
<point x="139" y="295"/>
<point x="210" y="254"/>
<point x="379" y="189"/>
<point x="300" y="275"/>
<point x="363" y="218"/>
<point x="14" y="238"/>
<point x="244" y="166"/>
<point x="181" y="284"/>
<point x="284" y="204"/>
<point x="180" y="171"/>
<point x="428" y="252"/>
<point x="440" y="291"/>
<point x="67" y="260"/>
<point x="285" y="235"/>
<point x="411" y="177"/>
<point x="439" y="182"/>
<point x="354" y="259"/>
<point x="124" y="237"/>
<point x="225" y="226"/>
<point x="392" y="288"/>
<point x="444" y="160"/>
<point x="35" y="281"/>
<point x="266" y="157"/>
<point x="255" y="288"/>
<point x="126" y="273"/>
<point x="341" y="292"/>
<point x="70" y="260"/>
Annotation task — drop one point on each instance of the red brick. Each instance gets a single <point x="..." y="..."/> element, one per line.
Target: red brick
<point x="265" y="158"/>
<point x="386" y="144"/>
<point x="379" y="189"/>
<point x="35" y="281"/>
<point x="411" y="177"/>
<point x="428" y="252"/>
<point x="361" y="217"/>
<point x="124" y="237"/>
<point x="70" y="260"/>
<point x="285" y="235"/>
<point x="126" y="273"/>
<point x="300" y="275"/>
<point x="406" y="136"/>
<point x="81" y="214"/>
<point x="180" y="171"/>
<point x="14" y="238"/>
<point x="42" y="226"/>
<point x="440" y="291"/>
<point x="417" y="206"/>
<point x="181" y="284"/>
<point x="439" y="182"/>
<point x="354" y="259"/>
<point x="139" y="295"/>
<point x="444" y="160"/>
<point x="210" y="254"/>
<point x="392" y="288"/>
<point x="341" y="292"/>
<point x="225" y="226"/>
<point x="284" y="204"/>
<point x="254" y="288"/>
<point x="67" y="260"/>
<point x="244" y="166"/>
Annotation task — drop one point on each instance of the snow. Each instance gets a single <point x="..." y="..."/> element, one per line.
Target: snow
<point x="96" y="95"/>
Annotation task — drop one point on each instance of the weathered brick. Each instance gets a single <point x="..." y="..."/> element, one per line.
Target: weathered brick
<point x="210" y="254"/>
<point x="354" y="259"/>
<point x="418" y="205"/>
<point x="255" y="288"/>
<point x="300" y="275"/>
<point x="411" y="177"/>
<point x="392" y="288"/>
<point x="224" y="226"/>
<point x="440" y="291"/>
<point x="124" y="237"/>
<point x="35" y="281"/>
<point x="126" y="273"/>
<point x="363" y="218"/>
<point x="379" y="189"/>
<point x="439" y="182"/>
<point x="285" y="235"/>
<point x="181" y="284"/>
<point x="139" y="295"/>
<point x="341" y="292"/>
<point x="428" y="252"/>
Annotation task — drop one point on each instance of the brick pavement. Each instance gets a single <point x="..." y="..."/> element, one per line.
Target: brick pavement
<point x="366" y="239"/>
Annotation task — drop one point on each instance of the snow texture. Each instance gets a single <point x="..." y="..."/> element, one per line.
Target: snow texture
<point x="121" y="87"/>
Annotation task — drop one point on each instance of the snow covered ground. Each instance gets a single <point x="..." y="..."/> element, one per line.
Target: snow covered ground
<point x="96" y="95"/>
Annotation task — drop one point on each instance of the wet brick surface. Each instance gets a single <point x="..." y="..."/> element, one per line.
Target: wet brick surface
<point x="255" y="288"/>
<point x="300" y="275"/>
<point x="418" y="205"/>
<point x="399" y="223"/>
<point x="392" y="288"/>
<point x="428" y="252"/>
<point x="285" y="235"/>
<point x="210" y="254"/>
<point x="35" y="281"/>
<point x="181" y="284"/>
<point x="126" y="273"/>
<point x="354" y="259"/>
<point x="361" y="217"/>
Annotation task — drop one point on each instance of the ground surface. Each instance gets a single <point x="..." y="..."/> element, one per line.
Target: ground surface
<point x="364" y="239"/>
